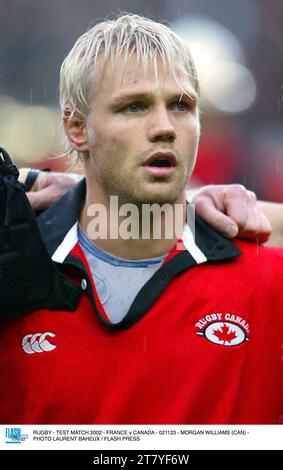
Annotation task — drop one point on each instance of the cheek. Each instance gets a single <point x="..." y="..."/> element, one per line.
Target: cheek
<point x="115" y="135"/>
<point x="193" y="134"/>
<point x="106" y="141"/>
<point x="188" y="128"/>
<point x="112" y="148"/>
<point x="124" y="142"/>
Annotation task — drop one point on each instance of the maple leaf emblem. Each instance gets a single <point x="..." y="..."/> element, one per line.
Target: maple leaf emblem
<point x="224" y="334"/>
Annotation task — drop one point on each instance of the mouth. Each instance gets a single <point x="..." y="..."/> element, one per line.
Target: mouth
<point x="161" y="159"/>
<point x="160" y="164"/>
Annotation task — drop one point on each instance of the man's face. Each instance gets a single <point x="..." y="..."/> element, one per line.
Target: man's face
<point x="146" y="136"/>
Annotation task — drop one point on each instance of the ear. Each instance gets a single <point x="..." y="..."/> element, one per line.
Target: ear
<point x="75" y="129"/>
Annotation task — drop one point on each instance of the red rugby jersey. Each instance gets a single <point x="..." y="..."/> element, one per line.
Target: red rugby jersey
<point x="201" y="343"/>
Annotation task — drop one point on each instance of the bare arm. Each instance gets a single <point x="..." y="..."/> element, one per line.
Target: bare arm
<point x="274" y="213"/>
<point x="48" y="187"/>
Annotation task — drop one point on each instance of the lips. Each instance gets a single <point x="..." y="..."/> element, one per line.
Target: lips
<point x="161" y="160"/>
<point x="160" y="165"/>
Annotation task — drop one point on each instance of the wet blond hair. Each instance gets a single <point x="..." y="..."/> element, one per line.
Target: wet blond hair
<point x="113" y="40"/>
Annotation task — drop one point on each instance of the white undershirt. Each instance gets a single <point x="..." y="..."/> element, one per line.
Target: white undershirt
<point x="117" y="280"/>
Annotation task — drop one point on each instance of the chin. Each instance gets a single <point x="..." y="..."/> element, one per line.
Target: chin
<point x="159" y="196"/>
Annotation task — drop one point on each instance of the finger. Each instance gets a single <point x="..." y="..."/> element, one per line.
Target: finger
<point x="253" y="215"/>
<point x="41" y="200"/>
<point x="222" y="223"/>
<point x="258" y="228"/>
<point x="237" y="203"/>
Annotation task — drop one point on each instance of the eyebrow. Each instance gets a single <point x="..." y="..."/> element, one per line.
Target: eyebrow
<point x="126" y="96"/>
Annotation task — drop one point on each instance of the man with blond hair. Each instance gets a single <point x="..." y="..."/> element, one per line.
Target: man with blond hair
<point x="177" y="329"/>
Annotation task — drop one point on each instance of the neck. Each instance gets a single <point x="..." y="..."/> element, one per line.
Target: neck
<point x="129" y="231"/>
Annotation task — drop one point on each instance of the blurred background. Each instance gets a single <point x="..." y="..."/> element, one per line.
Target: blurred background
<point x="238" y="49"/>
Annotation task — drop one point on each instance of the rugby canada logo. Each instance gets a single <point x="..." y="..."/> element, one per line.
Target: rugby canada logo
<point x="37" y="343"/>
<point x="224" y="329"/>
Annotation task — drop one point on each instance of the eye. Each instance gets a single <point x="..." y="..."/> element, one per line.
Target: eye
<point x="181" y="106"/>
<point x="134" y="107"/>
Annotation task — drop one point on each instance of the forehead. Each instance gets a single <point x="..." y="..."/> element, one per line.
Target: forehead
<point x="132" y="77"/>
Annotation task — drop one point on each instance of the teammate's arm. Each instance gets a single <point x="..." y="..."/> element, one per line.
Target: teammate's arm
<point x="48" y="187"/>
<point x="274" y="212"/>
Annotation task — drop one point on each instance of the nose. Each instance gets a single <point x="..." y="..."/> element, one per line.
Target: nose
<point x="161" y="127"/>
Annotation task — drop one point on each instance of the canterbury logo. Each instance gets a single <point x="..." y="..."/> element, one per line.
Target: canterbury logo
<point x="37" y="343"/>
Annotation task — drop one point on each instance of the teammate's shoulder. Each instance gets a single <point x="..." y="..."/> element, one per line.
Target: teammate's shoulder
<point x="260" y="266"/>
<point x="253" y="252"/>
